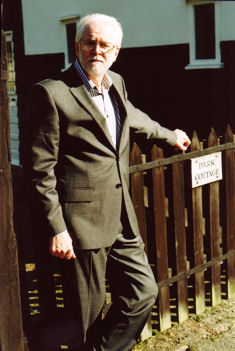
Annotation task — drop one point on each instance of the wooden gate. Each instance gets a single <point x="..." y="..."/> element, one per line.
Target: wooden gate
<point x="189" y="233"/>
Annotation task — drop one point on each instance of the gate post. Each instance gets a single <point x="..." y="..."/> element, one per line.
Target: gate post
<point x="11" y="331"/>
<point x="230" y="210"/>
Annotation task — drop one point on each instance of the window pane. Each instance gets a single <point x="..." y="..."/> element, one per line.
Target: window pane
<point x="205" y="31"/>
<point x="71" y="33"/>
<point x="11" y="68"/>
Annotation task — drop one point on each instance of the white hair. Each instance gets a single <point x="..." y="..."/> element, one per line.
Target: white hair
<point x="97" y="17"/>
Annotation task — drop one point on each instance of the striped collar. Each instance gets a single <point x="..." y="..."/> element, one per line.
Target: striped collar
<point x="89" y="84"/>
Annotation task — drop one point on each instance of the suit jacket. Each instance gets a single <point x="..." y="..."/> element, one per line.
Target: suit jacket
<point x="79" y="179"/>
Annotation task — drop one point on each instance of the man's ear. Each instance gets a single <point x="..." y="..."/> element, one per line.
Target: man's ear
<point x="116" y="53"/>
<point x="76" y="48"/>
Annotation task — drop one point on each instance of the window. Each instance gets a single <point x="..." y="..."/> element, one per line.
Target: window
<point x="71" y="29"/>
<point x="11" y="87"/>
<point x="71" y="33"/>
<point x="205" y="31"/>
<point x="204" y="35"/>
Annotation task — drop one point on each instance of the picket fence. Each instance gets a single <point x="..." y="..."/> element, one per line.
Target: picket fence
<point x="189" y="233"/>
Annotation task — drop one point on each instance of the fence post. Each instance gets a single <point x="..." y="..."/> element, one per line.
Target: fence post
<point x="180" y="238"/>
<point x="137" y="195"/>
<point x="137" y="192"/>
<point x="11" y="332"/>
<point x="230" y="210"/>
<point x="215" y="232"/>
<point x="161" y="239"/>
<point x="198" y="231"/>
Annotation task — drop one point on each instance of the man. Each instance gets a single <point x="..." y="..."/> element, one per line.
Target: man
<point x="81" y="123"/>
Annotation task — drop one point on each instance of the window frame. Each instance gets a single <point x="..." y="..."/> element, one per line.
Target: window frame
<point x="203" y="63"/>
<point x="65" y="21"/>
<point x="69" y="53"/>
<point x="12" y="72"/>
<point x="12" y="97"/>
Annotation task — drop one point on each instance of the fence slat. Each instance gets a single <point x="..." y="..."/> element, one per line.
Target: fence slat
<point x="230" y="210"/>
<point x="180" y="238"/>
<point x="137" y="193"/>
<point x="198" y="229"/>
<point x="138" y="200"/>
<point x="161" y="239"/>
<point x="215" y="232"/>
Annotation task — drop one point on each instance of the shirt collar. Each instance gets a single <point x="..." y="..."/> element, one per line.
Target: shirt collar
<point x="89" y="84"/>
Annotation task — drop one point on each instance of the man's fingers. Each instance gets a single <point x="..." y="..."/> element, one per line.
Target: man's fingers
<point x="57" y="253"/>
<point x="73" y="255"/>
<point x="69" y="254"/>
<point x="62" y="246"/>
<point x="64" y="254"/>
<point x="183" y="140"/>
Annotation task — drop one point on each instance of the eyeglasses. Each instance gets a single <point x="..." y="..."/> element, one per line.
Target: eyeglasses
<point x="91" y="44"/>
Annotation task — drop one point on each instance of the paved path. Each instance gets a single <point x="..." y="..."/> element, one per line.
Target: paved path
<point x="213" y="330"/>
<point x="221" y="329"/>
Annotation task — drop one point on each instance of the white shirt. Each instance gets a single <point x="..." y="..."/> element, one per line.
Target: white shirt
<point x="105" y="106"/>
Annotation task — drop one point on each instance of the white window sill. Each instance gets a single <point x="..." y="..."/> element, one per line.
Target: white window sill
<point x="200" y="65"/>
<point x="15" y="162"/>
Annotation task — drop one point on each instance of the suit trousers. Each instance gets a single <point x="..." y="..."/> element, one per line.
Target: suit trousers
<point x="132" y="286"/>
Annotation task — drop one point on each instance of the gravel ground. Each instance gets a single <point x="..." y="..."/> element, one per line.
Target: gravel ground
<point x="213" y="330"/>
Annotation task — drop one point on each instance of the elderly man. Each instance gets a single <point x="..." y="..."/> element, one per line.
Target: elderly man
<point x="79" y="159"/>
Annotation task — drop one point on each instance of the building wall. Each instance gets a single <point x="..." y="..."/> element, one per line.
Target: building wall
<point x="12" y="22"/>
<point x="227" y="19"/>
<point x="156" y="50"/>
<point x="154" y="22"/>
<point x="150" y="24"/>
<point x="193" y="100"/>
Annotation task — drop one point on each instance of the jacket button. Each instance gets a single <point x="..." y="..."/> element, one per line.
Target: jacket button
<point x="118" y="185"/>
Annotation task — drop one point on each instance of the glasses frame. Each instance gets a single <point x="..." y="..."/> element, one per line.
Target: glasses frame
<point x="91" y="44"/>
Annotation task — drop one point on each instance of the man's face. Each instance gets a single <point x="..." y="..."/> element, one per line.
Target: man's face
<point x="93" y="60"/>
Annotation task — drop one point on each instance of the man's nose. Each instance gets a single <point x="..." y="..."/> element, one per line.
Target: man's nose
<point x="96" y="48"/>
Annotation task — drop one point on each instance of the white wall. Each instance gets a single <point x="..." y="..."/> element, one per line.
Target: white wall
<point x="145" y="23"/>
<point x="43" y="31"/>
<point x="227" y="20"/>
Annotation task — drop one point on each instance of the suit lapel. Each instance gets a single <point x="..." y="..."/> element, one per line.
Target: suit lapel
<point x="83" y="96"/>
<point x="122" y="103"/>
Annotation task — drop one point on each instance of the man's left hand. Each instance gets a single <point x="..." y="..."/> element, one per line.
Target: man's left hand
<point x="182" y="141"/>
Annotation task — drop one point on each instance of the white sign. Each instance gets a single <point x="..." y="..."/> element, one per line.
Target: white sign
<point x="206" y="169"/>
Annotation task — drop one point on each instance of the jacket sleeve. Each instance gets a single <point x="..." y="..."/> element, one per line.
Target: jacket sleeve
<point x="141" y="123"/>
<point x="43" y="149"/>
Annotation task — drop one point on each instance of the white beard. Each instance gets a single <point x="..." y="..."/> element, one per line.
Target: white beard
<point x="95" y="68"/>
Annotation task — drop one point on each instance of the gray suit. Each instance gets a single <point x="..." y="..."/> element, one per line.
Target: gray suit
<point x="81" y="183"/>
<point x="76" y="169"/>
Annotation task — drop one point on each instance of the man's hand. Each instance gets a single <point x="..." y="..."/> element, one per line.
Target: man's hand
<point x="182" y="141"/>
<point x="62" y="246"/>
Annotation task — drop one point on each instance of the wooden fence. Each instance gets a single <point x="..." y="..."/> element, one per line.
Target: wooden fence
<point x="189" y="236"/>
<point x="189" y="233"/>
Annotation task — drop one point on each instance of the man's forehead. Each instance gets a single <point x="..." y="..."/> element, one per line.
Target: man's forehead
<point x="100" y="30"/>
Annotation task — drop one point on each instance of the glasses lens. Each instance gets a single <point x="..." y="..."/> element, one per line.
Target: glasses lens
<point x="91" y="44"/>
<point x="104" y="47"/>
